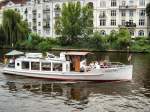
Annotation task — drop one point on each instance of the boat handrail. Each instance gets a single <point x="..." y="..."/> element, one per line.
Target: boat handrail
<point x="116" y="63"/>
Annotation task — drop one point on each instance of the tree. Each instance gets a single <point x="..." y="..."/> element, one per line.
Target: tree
<point x="112" y="39"/>
<point x="148" y="9"/>
<point x="74" y="22"/>
<point x="124" y="38"/>
<point x="44" y="46"/>
<point x="14" y="27"/>
<point x="98" y="41"/>
<point x="2" y="36"/>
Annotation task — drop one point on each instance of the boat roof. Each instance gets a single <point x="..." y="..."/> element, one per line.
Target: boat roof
<point x="77" y="53"/>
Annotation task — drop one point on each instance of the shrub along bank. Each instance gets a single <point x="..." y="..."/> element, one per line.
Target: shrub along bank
<point x="120" y="40"/>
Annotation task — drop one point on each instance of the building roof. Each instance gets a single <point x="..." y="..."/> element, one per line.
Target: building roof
<point x="4" y="2"/>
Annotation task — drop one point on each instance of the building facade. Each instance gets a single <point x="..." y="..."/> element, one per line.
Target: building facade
<point x="108" y="15"/>
<point x="111" y="15"/>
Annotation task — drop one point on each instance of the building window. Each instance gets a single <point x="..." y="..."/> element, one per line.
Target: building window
<point x="132" y="33"/>
<point x="131" y="2"/>
<point x="38" y="1"/>
<point x="123" y="13"/>
<point x="39" y="31"/>
<point x="141" y="33"/>
<point x="142" y="13"/>
<point x="131" y="21"/>
<point x="142" y="2"/>
<point x="39" y="15"/>
<point x="103" y="32"/>
<point x="90" y="4"/>
<point x="103" y="3"/>
<point x="123" y="3"/>
<point x="113" y="22"/>
<point x="102" y="14"/>
<point x="113" y="3"/>
<point x="113" y="12"/>
<point x="113" y="31"/>
<point x="39" y="23"/>
<point x="131" y="13"/>
<point x="141" y="22"/>
<point x="102" y="22"/>
<point x="47" y="6"/>
<point x="123" y="22"/>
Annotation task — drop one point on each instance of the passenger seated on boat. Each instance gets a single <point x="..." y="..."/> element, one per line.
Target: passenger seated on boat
<point x="104" y="64"/>
<point x="5" y="60"/>
<point x="82" y="69"/>
<point x="92" y="65"/>
<point x="11" y="63"/>
<point x="83" y="66"/>
<point x="97" y="66"/>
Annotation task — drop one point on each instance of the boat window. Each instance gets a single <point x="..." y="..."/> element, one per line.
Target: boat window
<point x="18" y="64"/>
<point x="25" y="65"/>
<point x="35" y="66"/>
<point x="46" y="66"/>
<point x="57" y="66"/>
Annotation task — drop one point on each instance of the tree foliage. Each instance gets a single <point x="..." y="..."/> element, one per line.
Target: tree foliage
<point x="148" y="9"/>
<point x="14" y="27"/>
<point x="120" y="39"/>
<point x="124" y="38"/>
<point x="2" y="36"/>
<point x="98" y="41"/>
<point x="75" y="22"/>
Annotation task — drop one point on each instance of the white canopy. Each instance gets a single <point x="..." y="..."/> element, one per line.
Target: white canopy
<point x="14" y="53"/>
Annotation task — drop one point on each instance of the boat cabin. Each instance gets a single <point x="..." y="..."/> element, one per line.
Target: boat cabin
<point x="78" y="60"/>
<point x="68" y="61"/>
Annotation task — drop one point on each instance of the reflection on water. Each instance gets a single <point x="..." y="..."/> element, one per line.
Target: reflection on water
<point x="21" y="94"/>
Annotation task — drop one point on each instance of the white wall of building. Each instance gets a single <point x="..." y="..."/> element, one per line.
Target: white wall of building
<point x="41" y="15"/>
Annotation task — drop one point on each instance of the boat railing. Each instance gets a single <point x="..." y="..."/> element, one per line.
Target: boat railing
<point x="114" y="64"/>
<point x="105" y="65"/>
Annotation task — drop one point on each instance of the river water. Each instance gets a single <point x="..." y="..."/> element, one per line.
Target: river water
<point x="22" y="94"/>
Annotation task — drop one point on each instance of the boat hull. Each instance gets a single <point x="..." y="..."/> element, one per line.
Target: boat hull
<point x="105" y="74"/>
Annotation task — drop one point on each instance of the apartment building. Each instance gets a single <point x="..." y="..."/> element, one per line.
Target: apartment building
<point x="109" y="15"/>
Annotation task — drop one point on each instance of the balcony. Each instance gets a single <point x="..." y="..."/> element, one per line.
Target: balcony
<point x="133" y="7"/>
<point x="46" y="27"/>
<point x="102" y="16"/>
<point x="57" y="9"/>
<point x="46" y="10"/>
<point x="128" y="25"/>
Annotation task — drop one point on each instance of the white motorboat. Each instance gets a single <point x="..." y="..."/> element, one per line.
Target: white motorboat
<point x="71" y="66"/>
